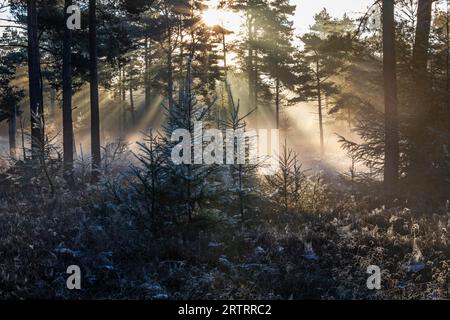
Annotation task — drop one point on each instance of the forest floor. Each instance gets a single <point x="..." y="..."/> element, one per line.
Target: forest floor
<point x="319" y="251"/>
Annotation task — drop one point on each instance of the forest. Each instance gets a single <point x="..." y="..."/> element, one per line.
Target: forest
<point x="354" y="99"/>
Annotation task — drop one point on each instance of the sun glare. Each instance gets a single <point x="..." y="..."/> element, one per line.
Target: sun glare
<point x="229" y="20"/>
<point x="212" y="17"/>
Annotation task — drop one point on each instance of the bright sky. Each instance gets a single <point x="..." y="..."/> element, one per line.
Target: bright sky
<point x="306" y="9"/>
<point x="304" y="15"/>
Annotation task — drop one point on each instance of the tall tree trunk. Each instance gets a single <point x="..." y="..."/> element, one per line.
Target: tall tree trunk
<point x="74" y="146"/>
<point x="447" y="58"/>
<point x="147" y="73"/>
<point x="12" y="129"/>
<point x="41" y="106"/>
<point x="95" y="112"/>
<point x="120" y="82"/>
<point x="447" y="111"/>
<point x="22" y="136"/>
<point x="52" y="101"/>
<point x="391" y="162"/>
<point x="181" y="57"/>
<point x="255" y="79"/>
<point x="122" y="85"/>
<point x="133" y="116"/>
<point x="170" y="68"/>
<point x="124" y="105"/>
<point x="255" y="68"/>
<point x="35" y="84"/>
<point x="224" y="49"/>
<point x="421" y="112"/>
<point x="319" y="103"/>
<point x="241" y="192"/>
<point x="170" y="79"/>
<point x="285" y="176"/>
<point x="277" y="101"/>
<point x="120" y="124"/>
<point x="250" y="65"/>
<point x="68" y="141"/>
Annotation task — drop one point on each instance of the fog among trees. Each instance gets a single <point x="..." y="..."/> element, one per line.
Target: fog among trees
<point x="360" y="103"/>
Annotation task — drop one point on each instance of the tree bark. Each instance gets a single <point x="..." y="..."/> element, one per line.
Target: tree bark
<point x="147" y="73"/>
<point x="447" y="57"/>
<point x="35" y="84"/>
<point x="95" y="112"/>
<point x="52" y="101"/>
<point x="170" y="68"/>
<point x="277" y="102"/>
<point x="133" y="116"/>
<point x="12" y="129"/>
<point x="447" y="110"/>
<point x="250" y="66"/>
<point x="319" y="103"/>
<point x="122" y="84"/>
<point x="22" y="136"/>
<point x="421" y="111"/>
<point x="170" y="79"/>
<point x="123" y="118"/>
<point x="68" y="141"/>
<point x="255" y="79"/>
<point x="391" y="162"/>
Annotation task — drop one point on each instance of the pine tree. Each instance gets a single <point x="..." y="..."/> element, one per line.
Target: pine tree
<point x="68" y="134"/>
<point x="94" y="83"/>
<point x="254" y="12"/>
<point x="278" y="49"/>
<point x="186" y="182"/>
<point x="323" y="57"/>
<point x="421" y="115"/>
<point x="391" y="158"/>
<point x="10" y="96"/>
<point x="242" y="172"/>
<point x="35" y="81"/>
<point x="151" y="177"/>
<point x="286" y="185"/>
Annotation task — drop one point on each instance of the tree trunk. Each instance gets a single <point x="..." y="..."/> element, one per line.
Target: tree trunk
<point x="95" y="112"/>
<point x="122" y="85"/>
<point x="421" y="47"/>
<point x="123" y="117"/>
<point x="224" y="49"/>
<point x="319" y="103"/>
<point x="391" y="162"/>
<point x="181" y="56"/>
<point x="133" y="116"/>
<point x="35" y="84"/>
<point x="285" y="177"/>
<point x="68" y="141"/>
<point x="241" y="192"/>
<point x="22" y="136"/>
<point x="421" y="112"/>
<point x="447" y="58"/>
<point x="277" y="101"/>
<point x="120" y="82"/>
<point x="74" y="146"/>
<point x="52" y="101"/>
<point x="250" y="66"/>
<point x="12" y="128"/>
<point x="255" y="79"/>
<point x="170" y="69"/>
<point x="147" y="73"/>
<point x="170" y="79"/>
